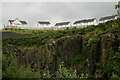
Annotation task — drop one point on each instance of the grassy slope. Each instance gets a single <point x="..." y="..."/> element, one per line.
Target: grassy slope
<point x="44" y="35"/>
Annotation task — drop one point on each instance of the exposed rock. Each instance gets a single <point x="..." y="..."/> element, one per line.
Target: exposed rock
<point x="64" y="50"/>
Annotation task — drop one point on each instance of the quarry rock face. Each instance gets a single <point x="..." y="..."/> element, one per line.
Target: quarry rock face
<point x="69" y="49"/>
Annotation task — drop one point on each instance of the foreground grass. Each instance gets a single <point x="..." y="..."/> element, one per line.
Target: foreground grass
<point x="26" y="31"/>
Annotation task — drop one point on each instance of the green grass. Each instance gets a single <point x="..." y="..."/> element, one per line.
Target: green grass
<point x="45" y="35"/>
<point x="24" y="31"/>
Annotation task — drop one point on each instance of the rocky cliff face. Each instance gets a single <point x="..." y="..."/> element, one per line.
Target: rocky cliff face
<point x="83" y="53"/>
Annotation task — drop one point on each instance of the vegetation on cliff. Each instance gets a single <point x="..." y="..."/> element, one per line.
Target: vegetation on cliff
<point x="44" y="35"/>
<point x="90" y="52"/>
<point x="10" y="69"/>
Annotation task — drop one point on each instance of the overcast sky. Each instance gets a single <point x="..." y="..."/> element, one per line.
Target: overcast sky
<point x="32" y="12"/>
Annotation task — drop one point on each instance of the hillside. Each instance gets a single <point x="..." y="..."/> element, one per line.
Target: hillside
<point x="93" y="51"/>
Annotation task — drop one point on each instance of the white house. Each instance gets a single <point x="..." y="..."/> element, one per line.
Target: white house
<point x="63" y="24"/>
<point x="55" y="28"/>
<point x="85" y="22"/>
<point x="43" y="24"/>
<point x="80" y="22"/>
<point x="17" y="23"/>
<point x="91" y="21"/>
<point x="107" y="18"/>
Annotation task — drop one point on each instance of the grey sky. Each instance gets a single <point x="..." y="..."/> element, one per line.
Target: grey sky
<point x="32" y="12"/>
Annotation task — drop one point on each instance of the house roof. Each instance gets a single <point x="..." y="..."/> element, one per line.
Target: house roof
<point x="11" y="21"/>
<point x="107" y="17"/>
<point x="90" y="20"/>
<point x="43" y="22"/>
<point x="84" y="21"/>
<point x="62" y="23"/>
<point x="79" y="21"/>
<point x="23" y="22"/>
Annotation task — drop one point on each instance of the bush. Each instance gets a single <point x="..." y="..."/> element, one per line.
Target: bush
<point x="115" y="28"/>
<point x="91" y="41"/>
<point x="10" y="69"/>
<point x="113" y="65"/>
<point x="47" y="75"/>
<point x="115" y="76"/>
<point x="63" y="72"/>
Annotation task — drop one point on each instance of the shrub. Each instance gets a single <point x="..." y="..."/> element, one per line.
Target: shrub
<point x="10" y="69"/>
<point x="63" y="72"/>
<point x="101" y="32"/>
<point x="78" y="58"/>
<point x="115" y="76"/>
<point x="113" y="65"/>
<point x="91" y="41"/>
<point x="47" y="75"/>
<point x="115" y="28"/>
